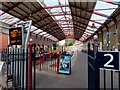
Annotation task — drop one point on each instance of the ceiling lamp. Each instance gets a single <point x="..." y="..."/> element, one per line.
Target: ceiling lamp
<point x="94" y="27"/>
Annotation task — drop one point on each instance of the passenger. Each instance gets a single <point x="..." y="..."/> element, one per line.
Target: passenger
<point x="38" y="48"/>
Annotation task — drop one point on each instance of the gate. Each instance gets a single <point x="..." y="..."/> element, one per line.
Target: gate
<point x="48" y="62"/>
<point x="101" y="78"/>
<point x="19" y="68"/>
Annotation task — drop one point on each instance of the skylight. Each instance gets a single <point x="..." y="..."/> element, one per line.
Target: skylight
<point x="43" y="33"/>
<point x="63" y="14"/>
<point x="11" y="20"/>
<point x="103" y="9"/>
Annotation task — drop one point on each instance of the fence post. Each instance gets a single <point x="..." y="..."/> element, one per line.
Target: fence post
<point x="40" y="62"/>
<point x="97" y="73"/>
<point x="90" y="69"/>
<point x="30" y="66"/>
<point x="93" y="69"/>
<point x="57" y="62"/>
<point x="34" y="59"/>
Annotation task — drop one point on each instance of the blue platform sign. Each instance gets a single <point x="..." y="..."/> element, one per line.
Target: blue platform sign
<point x="108" y="59"/>
<point x="65" y="64"/>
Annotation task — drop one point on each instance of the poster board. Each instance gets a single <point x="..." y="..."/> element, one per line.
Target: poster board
<point x="65" y="64"/>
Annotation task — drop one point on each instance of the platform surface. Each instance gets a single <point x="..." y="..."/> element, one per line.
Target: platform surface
<point x="77" y="79"/>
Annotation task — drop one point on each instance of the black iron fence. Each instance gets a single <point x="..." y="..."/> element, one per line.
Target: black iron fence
<point x="49" y="62"/>
<point x="19" y="72"/>
<point x="101" y="78"/>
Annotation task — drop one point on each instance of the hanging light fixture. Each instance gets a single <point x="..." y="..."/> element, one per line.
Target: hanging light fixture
<point x="94" y="27"/>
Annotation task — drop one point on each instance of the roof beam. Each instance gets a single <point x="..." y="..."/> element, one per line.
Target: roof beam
<point x="89" y="20"/>
<point x="73" y="27"/>
<point x="84" y="28"/>
<point x="59" y="14"/>
<point x="74" y="21"/>
<point x="39" y="32"/>
<point x="34" y="30"/>
<point x="57" y="6"/>
<point x="68" y="27"/>
<point x="31" y="14"/>
<point x="47" y="24"/>
<point x="88" y="33"/>
<point x="92" y="12"/>
<point x="79" y="17"/>
<point x="12" y="7"/>
<point x="41" y="19"/>
<point x="79" y="30"/>
<point x="43" y="34"/>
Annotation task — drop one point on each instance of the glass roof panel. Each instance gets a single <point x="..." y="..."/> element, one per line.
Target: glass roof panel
<point x="60" y="11"/>
<point x="63" y="1"/>
<point x="66" y="9"/>
<point x="56" y="10"/>
<point x="104" y="5"/>
<point x="37" y="31"/>
<point x="33" y="27"/>
<point x="51" y="2"/>
<point x="46" y="35"/>
<point x="58" y="17"/>
<point x="101" y="8"/>
<point x="42" y="33"/>
<point x="7" y="18"/>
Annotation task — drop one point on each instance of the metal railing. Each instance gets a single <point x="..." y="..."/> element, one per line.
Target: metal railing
<point x="101" y="78"/>
<point x="19" y="67"/>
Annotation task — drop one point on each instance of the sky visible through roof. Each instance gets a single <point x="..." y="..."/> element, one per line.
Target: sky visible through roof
<point x="98" y="8"/>
<point x="9" y="19"/>
<point x="101" y="7"/>
<point x="60" y="20"/>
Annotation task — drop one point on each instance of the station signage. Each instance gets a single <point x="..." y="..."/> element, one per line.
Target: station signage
<point x="15" y="36"/>
<point x="65" y="64"/>
<point x="108" y="59"/>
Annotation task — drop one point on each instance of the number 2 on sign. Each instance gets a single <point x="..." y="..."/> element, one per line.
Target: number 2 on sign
<point x="108" y="63"/>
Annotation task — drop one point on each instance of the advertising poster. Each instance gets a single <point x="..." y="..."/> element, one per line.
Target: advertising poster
<point x="65" y="64"/>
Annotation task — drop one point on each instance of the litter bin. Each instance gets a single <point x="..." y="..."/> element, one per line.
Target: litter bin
<point x="3" y="74"/>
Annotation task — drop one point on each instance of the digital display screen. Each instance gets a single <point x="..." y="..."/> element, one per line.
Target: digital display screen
<point x="15" y="36"/>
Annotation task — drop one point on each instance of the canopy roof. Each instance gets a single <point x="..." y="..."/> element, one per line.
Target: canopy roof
<point x="60" y="19"/>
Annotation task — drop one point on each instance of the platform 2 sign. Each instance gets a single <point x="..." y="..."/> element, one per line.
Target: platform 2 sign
<point x="65" y="64"/>
<point x="108" y="60"/>
<point x="15" y="36"/>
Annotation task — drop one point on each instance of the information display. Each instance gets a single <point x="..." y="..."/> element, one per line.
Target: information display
<point x="15" y="35"/>
<point x="65" y="64"/>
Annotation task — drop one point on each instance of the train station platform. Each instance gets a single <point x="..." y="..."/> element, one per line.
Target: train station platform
<point x="34" y="36"/>
<point x="77" y="79"/>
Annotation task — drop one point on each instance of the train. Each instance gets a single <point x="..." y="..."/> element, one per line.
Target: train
<point x="55" y="48"/>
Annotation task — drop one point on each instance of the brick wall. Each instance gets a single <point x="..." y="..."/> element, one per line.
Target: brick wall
<point x="3" y="41"/>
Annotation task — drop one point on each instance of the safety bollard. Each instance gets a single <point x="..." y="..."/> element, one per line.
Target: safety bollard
<point x="30" y="66"/>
